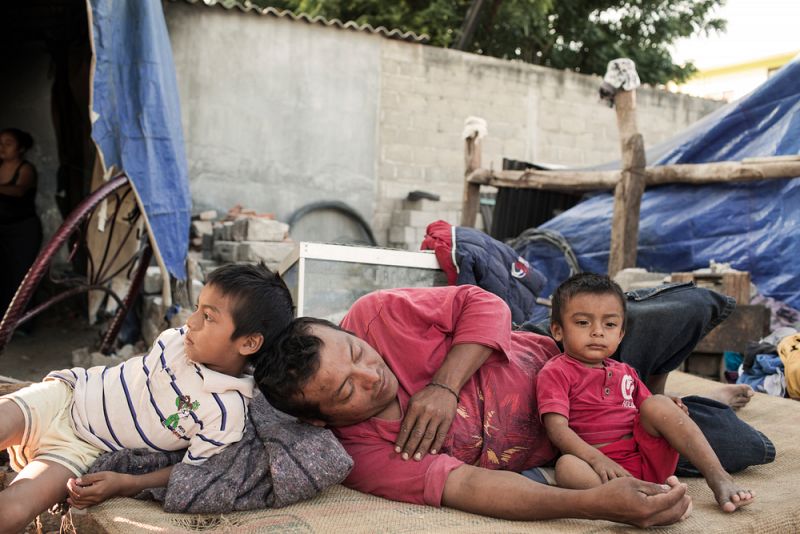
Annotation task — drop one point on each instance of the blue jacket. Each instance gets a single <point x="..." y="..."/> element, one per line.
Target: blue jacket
<point x="469" y="256"/>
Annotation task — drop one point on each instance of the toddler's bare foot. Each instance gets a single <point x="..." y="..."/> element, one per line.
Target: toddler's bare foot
<point x="734" y="395"/>
<point x="728" y="493"/>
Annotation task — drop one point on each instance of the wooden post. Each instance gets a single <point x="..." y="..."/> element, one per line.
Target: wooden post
<point x="471" y="201"/>
<point x="628" y="191"/>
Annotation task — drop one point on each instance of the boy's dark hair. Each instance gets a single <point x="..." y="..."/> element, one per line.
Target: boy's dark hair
<point x="24" y="139"/>
<point x="261" y="301"/>
<point x="598" y="284"/>
<point x="288" y="365"/>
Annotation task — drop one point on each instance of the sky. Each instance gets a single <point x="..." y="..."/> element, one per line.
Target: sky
<point x="756" y="29"/>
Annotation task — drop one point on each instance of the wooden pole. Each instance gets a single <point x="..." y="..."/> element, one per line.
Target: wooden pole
<point x="471" y="200"/>
<point x="628" y="191"/>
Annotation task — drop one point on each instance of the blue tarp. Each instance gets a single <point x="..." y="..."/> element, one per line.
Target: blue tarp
<point x="137" y="119"/>
<point x="754" y="226"/>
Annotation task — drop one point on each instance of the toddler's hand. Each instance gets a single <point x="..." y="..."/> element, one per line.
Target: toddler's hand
<point x="607" y="469"/>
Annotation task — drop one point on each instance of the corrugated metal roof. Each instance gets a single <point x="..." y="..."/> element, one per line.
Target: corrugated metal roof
<point x="247" y="6"/>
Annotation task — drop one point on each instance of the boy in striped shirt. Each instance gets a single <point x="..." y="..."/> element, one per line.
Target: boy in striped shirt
<point x="189" y="392"/>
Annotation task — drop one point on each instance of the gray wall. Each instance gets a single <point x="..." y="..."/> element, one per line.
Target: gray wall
<point x="279" y="113"/>
<point x="276" y="113"/>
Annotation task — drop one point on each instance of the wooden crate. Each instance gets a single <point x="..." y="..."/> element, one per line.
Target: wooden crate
<point x="734" y="284"/>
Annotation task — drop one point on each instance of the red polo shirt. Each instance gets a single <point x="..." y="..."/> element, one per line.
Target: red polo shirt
<point x="599" y="402"/>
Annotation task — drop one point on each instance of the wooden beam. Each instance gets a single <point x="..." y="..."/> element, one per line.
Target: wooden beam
<point x="723" y="172"/>
<point x="628" y="191"/>
<point x="568" y="181"/>
<point x="471" y="200"/>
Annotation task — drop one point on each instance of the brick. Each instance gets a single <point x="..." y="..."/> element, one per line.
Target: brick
<point x="259" y="229"/>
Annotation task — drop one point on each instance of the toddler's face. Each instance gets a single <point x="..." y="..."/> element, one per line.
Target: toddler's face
<point x="591" y="327"/>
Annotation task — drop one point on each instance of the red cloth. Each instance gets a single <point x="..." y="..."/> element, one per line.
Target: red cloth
<point x="602" y="406"/>
<point x="439" y="238"/>
<point x="644" y="456"/>
<point x="496" y="424"/>
<point x="600" y="403"/>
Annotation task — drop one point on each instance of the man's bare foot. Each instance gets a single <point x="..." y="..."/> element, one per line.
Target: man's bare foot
<point x="728" y="493"/>
<point x="734" y="395"/>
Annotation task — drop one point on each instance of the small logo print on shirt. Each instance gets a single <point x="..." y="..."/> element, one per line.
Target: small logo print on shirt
<point x="185" y="407"/>
<point x="628" y="385"/>
<point x="520" y="268"/>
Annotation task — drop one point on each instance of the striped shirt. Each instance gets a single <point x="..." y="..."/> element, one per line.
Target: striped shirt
<point x="160" y="401"/>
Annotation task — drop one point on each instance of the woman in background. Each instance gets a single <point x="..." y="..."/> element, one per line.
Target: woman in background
<point x="20" y="228"/>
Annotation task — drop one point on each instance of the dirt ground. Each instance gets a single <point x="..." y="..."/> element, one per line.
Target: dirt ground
<point x="48" y="346"/>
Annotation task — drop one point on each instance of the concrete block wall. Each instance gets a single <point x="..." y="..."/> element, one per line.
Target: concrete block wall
<point x="533" y="114"/>
<point x="331" y="114"/>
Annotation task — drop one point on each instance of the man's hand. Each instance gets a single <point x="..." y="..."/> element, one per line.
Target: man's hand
<point x="428" y="418"/>
<point x="95" y="488"/>
<point x="643" y="504"/>
<point x="607" y="469"/>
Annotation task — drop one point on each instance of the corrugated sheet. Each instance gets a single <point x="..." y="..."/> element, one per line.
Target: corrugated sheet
<point x="247" y="7"/>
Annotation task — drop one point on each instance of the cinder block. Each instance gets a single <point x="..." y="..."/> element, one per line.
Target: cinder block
<point x="152" y="280"/>
<point x="259" y="229"/>
<point x="208" y="215"/>
<point x="415" y="218"/>
<point x="402" y="234"/>
<point x="208" y="244"/>
<point x="226" y="251"/>
<point x="153" y="321"/>
<point x="239" y="229"/>
<point x="266" y="251"/>
<point x="200" y="228"/>
<point x="223" y="231"/>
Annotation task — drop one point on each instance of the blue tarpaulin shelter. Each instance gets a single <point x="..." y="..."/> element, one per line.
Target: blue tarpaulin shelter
<point x="136" y="119"/>
<point x="755" y="226"/>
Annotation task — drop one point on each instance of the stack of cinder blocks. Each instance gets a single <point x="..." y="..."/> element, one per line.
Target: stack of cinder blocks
<point x="251" y="239"/>
<point x="408" y="225"/>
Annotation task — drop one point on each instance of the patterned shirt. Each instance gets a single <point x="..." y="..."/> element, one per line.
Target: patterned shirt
<point x="496" y="424"/>
<point x="160" y="401"/>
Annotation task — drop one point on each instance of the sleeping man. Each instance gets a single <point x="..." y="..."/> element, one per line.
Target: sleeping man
<point x="433" y="395"/>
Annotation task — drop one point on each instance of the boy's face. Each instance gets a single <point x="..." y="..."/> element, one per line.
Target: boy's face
<point x="590" y="327"/>
<point x="209" y="338"/>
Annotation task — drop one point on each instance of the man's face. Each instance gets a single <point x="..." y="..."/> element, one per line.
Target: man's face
<point x="590" y="327"/>
<point x="353" y="383"/>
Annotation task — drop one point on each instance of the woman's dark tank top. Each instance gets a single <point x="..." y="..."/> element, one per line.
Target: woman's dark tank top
<point x="16" y="209"/>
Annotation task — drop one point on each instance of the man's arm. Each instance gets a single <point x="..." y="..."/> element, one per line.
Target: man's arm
<point x="95" y="488"/>
<point x="508" y="495"/>
<point x="568" y="442"/>
<point x="431" y="410"/>
<point x="478" y="322"/>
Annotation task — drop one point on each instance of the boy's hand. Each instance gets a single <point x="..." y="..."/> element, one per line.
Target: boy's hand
<point x="679" y="403"/>
<point x="95" y="488"/>
<point x="608" y="469"/>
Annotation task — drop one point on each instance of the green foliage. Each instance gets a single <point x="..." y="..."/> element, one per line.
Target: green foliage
<point x="580" y="35"/>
